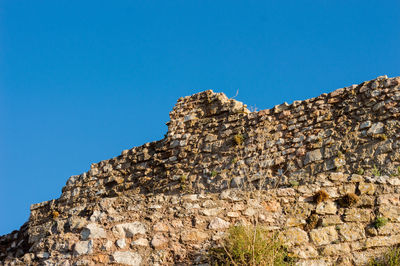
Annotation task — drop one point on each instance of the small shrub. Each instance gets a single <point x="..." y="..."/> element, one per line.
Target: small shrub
<point x="183" y="178"/>
<point x="390" y="258"/>
<point x="214" y="173"/>
<point x="55" y="214"/>
<point x="375" y="171"/>
<point x="238" y="139"/>
<point x="294" y="183"/>
<point x="360" y="171"/>
<point x="312" y="222"/>
<point x="348" y="200"/>
<point x="253" y="108"/>
<point x="250" y="245"/>
<point x="183" y="182"/>
<point x="321" y="196"/>
<point x="381" y="136"/>
<point x="379" y="222"/>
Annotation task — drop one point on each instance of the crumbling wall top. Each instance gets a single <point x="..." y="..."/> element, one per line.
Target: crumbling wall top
<point x="202" y="105"/>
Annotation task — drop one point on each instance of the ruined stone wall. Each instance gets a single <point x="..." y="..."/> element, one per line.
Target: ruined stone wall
<point x="169" y="201"/>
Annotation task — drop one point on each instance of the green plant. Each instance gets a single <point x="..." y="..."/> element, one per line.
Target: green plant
<point x="213" y="173"/>
<point x="390" y="258"/>
<point x="238" y="139"/>
<point x="183" y="182"/>
<point x="360" y="171"/>
<point x="379" y="222"/>
<point x="183" y="178"/>
<point x="294" y="183"/>
<point x="235" y="160"/>
<point x="250" y="245"/>
<point x="375" y="171"/>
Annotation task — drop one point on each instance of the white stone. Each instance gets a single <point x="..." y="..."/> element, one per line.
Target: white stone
<point x="218" y="223"/>
<point x="76" y="223"/>
<point x="376" y="128"/>
<point x="327" y="207"/>
<point x="83" y="247"/>
<point x="159" y="241"/>
<point x="365" y="124"/>
<point x="93" y="231"/>
<point x="143" y="242"/>
<point x="129" y="229"/>
<point x="43" y="255"/>
<point x="128" y="258"/>
<point x="211" y="212"/>
<point x="250" y="212"/>
<point x="313" y="156"/>
<point x="96" y="216"/>
<point x="107" y="245"/>
<point x="121" y="243"/>
<point x="394" y="181"/>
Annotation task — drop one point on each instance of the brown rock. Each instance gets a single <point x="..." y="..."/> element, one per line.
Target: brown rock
<point x="194" y="236"/>
<point x="160" y="227"/>
<point x="159" y="241"/>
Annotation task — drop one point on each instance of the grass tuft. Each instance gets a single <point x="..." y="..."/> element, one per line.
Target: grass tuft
<point x="379" y="222"/>
<point x="390" y="258"/>
<point x="348" y="200"/>
<point x="250" y="245"/>
<point x="238" y="139"/>
<point x="375" y="171"/>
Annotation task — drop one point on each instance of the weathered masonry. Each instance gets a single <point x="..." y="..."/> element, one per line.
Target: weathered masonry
<point x="167" y="202"/>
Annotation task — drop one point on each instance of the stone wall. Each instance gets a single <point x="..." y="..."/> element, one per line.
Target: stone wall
<point x="219" y="165"/>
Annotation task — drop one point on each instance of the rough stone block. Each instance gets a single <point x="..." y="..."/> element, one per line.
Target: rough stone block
<point x="129" y="229"/>
<point x="304" y="252"/>
<point x="194" y="236"/>
<point x="294" y="236"/>
<point x="336" y="249"/>
<point x="366" y="188"/>
<point x="327" y="207"/>
<point x="390" y="212"/>
<point x="351" y="231"/>
<point x="357" y="215"/>
<point x="93" y="231"/>
<point x="323" y="236"/>
<point x="313" y="156"/>
<point x="218" y="224"/>
<point x="382" y="241"/>
<point x="127" y="258"/>
<point x="83" y="247"/>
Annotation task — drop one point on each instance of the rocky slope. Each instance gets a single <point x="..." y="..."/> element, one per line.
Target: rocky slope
<point x="169" y="201"/>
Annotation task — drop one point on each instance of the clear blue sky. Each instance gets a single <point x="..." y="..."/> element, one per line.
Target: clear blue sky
<point x="80" y="81"/>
